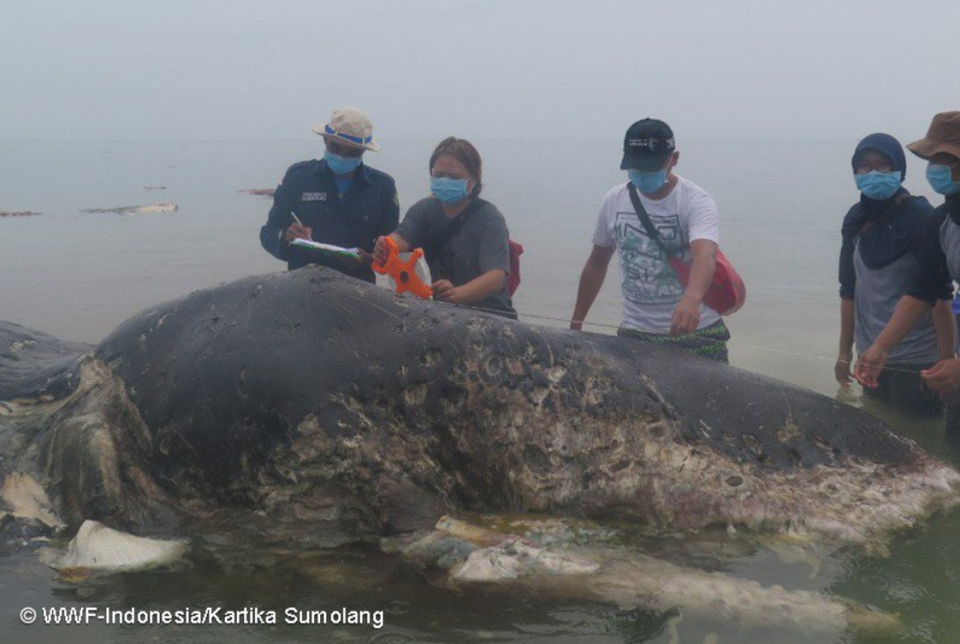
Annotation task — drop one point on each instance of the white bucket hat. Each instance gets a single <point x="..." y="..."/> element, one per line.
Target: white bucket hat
<point x="351" y="127"/>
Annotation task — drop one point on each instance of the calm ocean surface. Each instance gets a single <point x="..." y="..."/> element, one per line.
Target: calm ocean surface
<point x="78" y="275"/>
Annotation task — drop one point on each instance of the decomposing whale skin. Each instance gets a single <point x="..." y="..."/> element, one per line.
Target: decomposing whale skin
<point x="312" y="399"/>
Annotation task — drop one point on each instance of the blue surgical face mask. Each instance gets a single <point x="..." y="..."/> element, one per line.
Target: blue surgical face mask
<point x="341" y="165"/>
<point x="448" y="190"/>
<point x="941" y="179"/>
<point x="879" y="186"/>
<point x="648" y="182"/>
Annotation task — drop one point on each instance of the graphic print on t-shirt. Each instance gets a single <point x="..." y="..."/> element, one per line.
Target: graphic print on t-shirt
<point x="647" y="277"/>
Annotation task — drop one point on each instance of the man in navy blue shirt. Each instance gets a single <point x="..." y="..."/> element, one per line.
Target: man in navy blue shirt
<point x="338" y="200"/>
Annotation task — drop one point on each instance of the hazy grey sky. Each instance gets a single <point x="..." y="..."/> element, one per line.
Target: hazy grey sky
<point x="485" y="69"/>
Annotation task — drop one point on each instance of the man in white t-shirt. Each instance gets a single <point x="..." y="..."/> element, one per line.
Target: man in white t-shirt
<point x="656" y="306"/>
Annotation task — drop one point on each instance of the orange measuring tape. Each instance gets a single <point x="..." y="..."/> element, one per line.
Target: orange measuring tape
<point x="402" y="271"/>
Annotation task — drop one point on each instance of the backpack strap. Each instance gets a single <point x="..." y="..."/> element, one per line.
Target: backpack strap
<point x="645" y="218"/>
<point x="453" y="226"/>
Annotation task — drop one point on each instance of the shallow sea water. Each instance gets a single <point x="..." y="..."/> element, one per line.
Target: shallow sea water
<point x="78" y="275"/>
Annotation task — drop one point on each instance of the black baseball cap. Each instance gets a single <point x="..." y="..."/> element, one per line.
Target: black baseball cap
<point x="647" y="145"/>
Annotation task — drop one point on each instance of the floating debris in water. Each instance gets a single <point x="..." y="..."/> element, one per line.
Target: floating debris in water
<point x="259" y="192"/>
<point x="154" y="187"/>
<point x="167" y="206"/>
<point x="19" y="213"/>
<point x="97" y="547"/>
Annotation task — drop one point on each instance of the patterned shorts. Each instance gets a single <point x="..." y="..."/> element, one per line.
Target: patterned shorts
<point x="708" y="342"/>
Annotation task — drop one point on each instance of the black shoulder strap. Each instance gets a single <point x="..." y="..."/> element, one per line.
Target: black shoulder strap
<point x="455" y="224"/>
<point x="645" y="218"/>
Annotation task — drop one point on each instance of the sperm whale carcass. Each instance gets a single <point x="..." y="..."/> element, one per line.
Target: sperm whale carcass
<point x="313" y="399"/>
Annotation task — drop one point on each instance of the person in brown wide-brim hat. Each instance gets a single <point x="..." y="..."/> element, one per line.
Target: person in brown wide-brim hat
<point x="943" y="137"/>
<point x="941" y="147"/>
<point x="938" y="255"/>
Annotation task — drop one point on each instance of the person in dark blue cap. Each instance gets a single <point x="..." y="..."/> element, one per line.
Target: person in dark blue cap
<point x="879" y="261"/>
<point x="655" y="215"/>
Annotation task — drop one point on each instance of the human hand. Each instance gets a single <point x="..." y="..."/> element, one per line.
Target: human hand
<point x="841" y="370"/>
<point x="943" y="377"/>
<point x="381" y="250"/>
<point x="869" y="365"/>
<point x="298" y="231"/>
<point x="445" y="291"/>
<point x="364" y="259"/>
<point x="686" y="317"/>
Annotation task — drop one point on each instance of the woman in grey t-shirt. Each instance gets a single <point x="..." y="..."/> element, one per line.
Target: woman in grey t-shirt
<point x="464" y="238"/>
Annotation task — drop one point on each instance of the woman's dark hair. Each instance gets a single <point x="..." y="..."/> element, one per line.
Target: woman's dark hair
<point x="464" y="152"/>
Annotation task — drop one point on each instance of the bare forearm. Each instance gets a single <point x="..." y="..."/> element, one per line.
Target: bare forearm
<point x="482" y="287"/>
<point x="701" y="275"/>
<point x="591" y="280"/>
<point x="908" y="313"/>
<point x="702" y="267"/>
<point x="846" y="327"/>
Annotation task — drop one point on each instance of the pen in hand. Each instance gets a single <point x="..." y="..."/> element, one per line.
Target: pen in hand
<point x="297" y="230"/>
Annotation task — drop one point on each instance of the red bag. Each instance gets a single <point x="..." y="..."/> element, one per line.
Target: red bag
<point x="727" y="292"/>
<point x="513" y="279"/>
